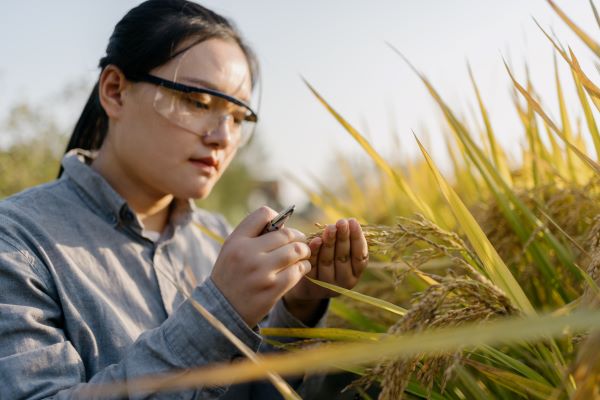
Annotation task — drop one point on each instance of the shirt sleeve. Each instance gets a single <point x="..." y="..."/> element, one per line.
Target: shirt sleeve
<point x="280" y="317"/>
<point x="37" y="360"/>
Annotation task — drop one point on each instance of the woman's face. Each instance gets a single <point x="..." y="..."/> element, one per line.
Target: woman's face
<point x="165" y="158"/>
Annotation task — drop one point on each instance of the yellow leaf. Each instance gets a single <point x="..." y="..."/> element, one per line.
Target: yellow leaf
<point x="593" y="165"/>
<point x="379" y="161"/>
<point x="327" y="357"/>
<point x="587" y="39"/>
<point x="384" y="305"/>
<point x="495" y="268"/>
<point x="322" y="333"/>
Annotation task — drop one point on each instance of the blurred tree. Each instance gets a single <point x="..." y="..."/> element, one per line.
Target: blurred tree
<point x="32" y="153"/>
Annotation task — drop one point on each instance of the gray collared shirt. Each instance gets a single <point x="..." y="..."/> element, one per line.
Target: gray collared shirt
<point x="87" y="296"/>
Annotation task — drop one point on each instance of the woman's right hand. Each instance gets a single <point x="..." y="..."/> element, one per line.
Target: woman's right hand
<point x="254" y="271"/>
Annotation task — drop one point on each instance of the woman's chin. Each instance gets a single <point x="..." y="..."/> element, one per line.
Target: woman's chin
<point x="198" y="192"/>
<point x="191" y="188"/>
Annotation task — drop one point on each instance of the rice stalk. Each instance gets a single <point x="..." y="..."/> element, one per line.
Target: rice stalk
<point x="454" y="301"/>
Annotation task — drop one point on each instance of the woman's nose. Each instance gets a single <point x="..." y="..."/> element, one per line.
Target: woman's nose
<point x="219" y="134"/>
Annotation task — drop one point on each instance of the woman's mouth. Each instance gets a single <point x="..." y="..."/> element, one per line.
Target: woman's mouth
<point x="206" y="165"/>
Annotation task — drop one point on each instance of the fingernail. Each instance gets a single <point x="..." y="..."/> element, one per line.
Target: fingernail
<point x="306" y="267"/>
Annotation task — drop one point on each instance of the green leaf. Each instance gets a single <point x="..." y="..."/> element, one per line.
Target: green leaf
<point x="566" y="126"/>
<point x="497" y="154"/>
<point x="333" y="334"/>
<point x="589" y="116"/>
<point x="494" y="267"/>
<point x="356" y="318"/>
<point x="514" y="382"/>
<point x="514" y="364"/>
<point x="382" y="304"/>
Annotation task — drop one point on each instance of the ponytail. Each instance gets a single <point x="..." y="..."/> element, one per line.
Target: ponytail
<point x="90" y="130"/>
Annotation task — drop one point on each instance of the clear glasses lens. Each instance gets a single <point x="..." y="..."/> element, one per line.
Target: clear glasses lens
<point x="201" y="113"/>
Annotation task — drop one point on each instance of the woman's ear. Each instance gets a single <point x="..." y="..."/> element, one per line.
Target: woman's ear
<point x="111" y="88"/>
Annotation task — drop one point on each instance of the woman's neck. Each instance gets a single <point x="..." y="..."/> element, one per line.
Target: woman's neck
<point x="151" y="208"/>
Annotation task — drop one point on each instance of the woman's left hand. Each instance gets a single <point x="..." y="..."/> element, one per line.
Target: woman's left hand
<point x="338" y="257"/>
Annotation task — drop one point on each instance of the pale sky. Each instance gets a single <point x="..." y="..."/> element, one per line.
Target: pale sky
<point x="339" y="47"/>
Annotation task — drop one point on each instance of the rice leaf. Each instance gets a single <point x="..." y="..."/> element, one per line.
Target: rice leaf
<point x="591" y="163"/>
<point x="465" y="177"/>
<point x="494" y="267"/>
<point x="497" y="154"/>
<point x="514" y="382"/>
<point x="590" y="87"/>
<point x="382" y="304"/>
<point x="325" y="357"/>
<point x="471" y="385"/>
<point x="334" y="334"/>
<point x="356" y="318"/>
<point x="532" y="133"/>
<point x="595" y="12"/>
<point x="379" y="161"/>
<point x="589" y="116"/>
<point x="557" y="159"/>
<point x="587" y="39"/>
<point x="513" y="364"/>
<point x="566" y="125"/>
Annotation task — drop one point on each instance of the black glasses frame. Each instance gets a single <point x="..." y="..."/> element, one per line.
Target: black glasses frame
<point x="180" y="87"/>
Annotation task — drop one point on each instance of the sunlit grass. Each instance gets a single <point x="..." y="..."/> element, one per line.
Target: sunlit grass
<point x="481" y="282"/>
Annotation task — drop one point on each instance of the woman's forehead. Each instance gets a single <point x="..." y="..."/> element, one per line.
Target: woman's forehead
<point x="216" y="64"/>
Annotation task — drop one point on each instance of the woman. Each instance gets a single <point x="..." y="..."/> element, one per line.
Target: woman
<point x="90" y="264"/>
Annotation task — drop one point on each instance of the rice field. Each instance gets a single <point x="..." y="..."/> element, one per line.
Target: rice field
<point x="483" y="283"/>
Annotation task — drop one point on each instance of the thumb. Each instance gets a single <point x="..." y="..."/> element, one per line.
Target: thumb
<point x="253" y="224"/>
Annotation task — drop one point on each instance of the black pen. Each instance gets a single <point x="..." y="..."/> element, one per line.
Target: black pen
<point x="279" y="220"/>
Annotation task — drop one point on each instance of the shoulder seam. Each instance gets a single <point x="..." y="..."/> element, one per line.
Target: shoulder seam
<point x="28" y="257"/>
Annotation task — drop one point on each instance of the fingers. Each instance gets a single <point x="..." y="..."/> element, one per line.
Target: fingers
<point x="359" y="249"/>
<point x="343" y="263"/>
<point x="253" y="224"/>
<point x="326" y="270"/>
<point x="288" y="254"/>
<point x="288" y="277"/>
<point x="273" y="240"/>
<point x="315" y="247"/>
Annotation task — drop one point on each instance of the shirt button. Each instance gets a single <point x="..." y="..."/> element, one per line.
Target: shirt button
<point x="126" y="215"/>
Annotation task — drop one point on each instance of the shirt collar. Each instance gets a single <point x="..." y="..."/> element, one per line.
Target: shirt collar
<point x="105" y="200"/>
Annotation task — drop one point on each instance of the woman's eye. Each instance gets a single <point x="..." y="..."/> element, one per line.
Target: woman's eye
<point x="199" y="104"/>
<point x="238" y="116"/>
<point x="196" y="103"/>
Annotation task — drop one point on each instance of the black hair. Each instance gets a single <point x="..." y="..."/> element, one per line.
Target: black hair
<point x="145" y="38"/>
